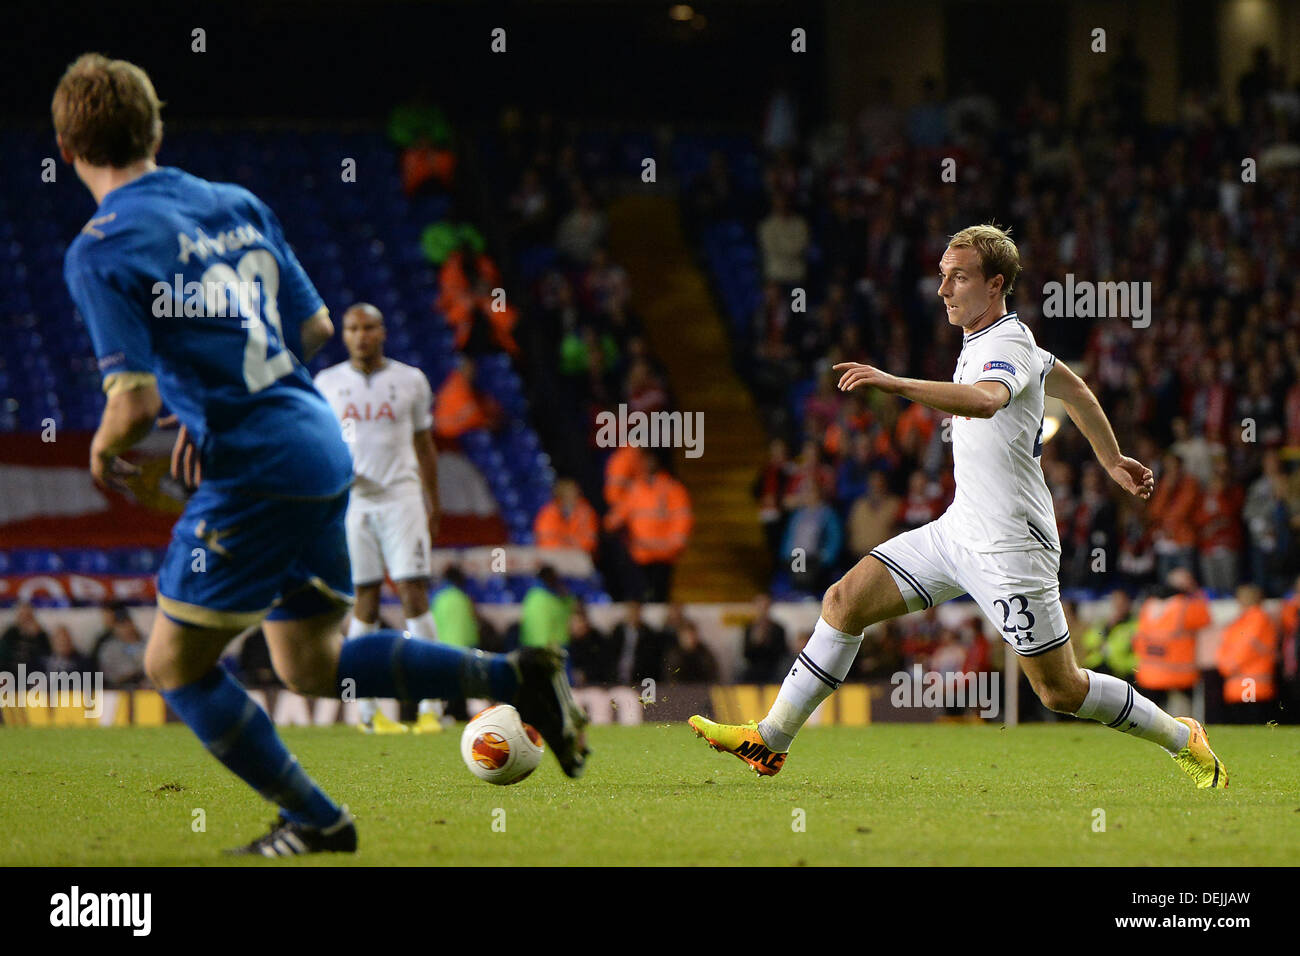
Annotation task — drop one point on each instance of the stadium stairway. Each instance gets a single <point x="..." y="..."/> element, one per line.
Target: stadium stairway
<point x="726" y="558"/>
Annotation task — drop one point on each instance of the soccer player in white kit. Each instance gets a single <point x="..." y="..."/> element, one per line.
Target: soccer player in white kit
<point x="385" y="410"/>
<point x="997" y="541"/>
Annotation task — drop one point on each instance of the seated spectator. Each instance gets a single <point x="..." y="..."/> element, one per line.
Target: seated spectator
<point x="567" y="521"/>
<point x="121" y="657"/>
<point x="690" y="661"/>
<point x="812" y="542"/>
<point x="24" y="642"/>
<point x="766" y="652"/>
<point x="109" y="612"/>
<point x="636" y="650"/>
<point x="64" y="658"/>
<point x="882" y="652"/>
<point x="873" y="518"/>
<point x="589" y="657"/>
<point x="461" y="407"/>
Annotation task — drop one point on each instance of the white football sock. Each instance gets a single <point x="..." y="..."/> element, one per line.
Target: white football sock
<point x="358" y="627"/>
<point x="423" y="626"/>
<point x="818" y="670"/>
<point x="1116" y="703"/>
<point x="366" y="708"/>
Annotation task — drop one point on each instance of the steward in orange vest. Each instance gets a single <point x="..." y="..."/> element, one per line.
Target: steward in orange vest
<point x="1247" y="654"/>
<point x="566" y="522"/>
<point x="656" y="511"/>
<point x="623" y="468"/>
<point x="1165" y="642"/>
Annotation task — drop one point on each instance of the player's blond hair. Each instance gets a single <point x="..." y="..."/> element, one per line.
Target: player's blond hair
<point x="106" y="111"/>
<point x="998" y="254"/>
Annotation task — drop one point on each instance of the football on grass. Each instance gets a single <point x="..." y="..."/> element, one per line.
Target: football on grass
<point x="499" y="747"/>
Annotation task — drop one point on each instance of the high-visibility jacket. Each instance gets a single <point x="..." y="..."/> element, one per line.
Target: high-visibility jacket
<point x="1166" y="641"/>
<point x="1248" y="656"/>
<point x="657" y="514"/>
<point x="625" y="466"/>
<point x="457" y="409"/>
<point x="1110" y="646"/>
<point x="554" y="529"/>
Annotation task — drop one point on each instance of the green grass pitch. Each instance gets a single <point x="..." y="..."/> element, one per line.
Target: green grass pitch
<point x="888" y="794"/>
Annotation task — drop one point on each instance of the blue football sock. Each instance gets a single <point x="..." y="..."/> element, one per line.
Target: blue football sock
<point x="386" y="664"/>
<point x="240" y="734"/>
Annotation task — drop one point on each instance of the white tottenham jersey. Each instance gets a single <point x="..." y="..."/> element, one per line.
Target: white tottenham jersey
<point x="1002" y="501"/>
<point x="379" y="414"/>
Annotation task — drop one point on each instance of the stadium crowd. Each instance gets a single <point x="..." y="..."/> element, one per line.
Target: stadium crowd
<point x="849" y="224"/>
<point x="589" y="355"/>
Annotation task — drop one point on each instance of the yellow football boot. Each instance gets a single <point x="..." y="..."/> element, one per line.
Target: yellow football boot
<point x="428" y="724"/>
<point x="1199" y="760"/>
<point x="383" y="724"/>
<point x="742" y="740"/>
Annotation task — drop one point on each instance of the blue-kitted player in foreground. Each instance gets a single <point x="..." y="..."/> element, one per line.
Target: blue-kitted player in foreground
<point x="193" y="298"/>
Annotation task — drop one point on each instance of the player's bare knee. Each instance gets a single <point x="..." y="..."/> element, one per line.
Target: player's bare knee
<point x="1064" y="696"/>
<point x="835" y="605"/>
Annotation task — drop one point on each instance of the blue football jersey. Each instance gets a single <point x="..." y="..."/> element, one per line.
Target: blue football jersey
<point x="193" y="284"/>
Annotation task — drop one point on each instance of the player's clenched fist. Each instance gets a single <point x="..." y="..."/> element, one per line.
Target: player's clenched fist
<point x="856" y="374"/>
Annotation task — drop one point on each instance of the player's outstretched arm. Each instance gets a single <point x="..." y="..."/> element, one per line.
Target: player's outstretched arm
<point x="981" y="400"/>
<point x="1086" y="412"/>
<point x="128" y="417"/>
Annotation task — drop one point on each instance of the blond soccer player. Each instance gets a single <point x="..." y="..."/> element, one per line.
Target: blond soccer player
<point x="996" y="542"/>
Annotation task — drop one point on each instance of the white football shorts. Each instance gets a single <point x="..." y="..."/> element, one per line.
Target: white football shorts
<point x="1018" y="591"/>
<point x="391" y="534"/>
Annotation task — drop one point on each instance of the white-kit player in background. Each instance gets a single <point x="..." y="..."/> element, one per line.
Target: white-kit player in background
<point x="385" y="410"/>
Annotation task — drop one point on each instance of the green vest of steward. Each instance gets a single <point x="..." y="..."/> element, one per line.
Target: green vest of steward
<point x="1111" y="648"/>
<point x="453" y="614"/>
<point x="544" y="620"/>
